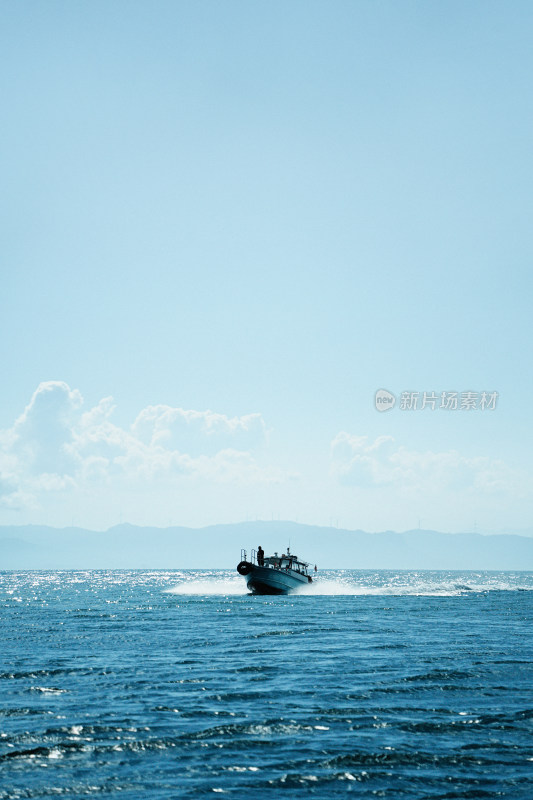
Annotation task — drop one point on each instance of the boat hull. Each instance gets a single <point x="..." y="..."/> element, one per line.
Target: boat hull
<point x="270" y="580"/>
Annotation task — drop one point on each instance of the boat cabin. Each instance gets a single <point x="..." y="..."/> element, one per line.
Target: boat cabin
<point x="286" y="561"/>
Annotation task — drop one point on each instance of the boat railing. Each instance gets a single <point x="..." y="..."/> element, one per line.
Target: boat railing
<point x="253" y="555"/>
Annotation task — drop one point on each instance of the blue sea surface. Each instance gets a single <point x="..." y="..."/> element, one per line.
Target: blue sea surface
<point x="178" y="684"/>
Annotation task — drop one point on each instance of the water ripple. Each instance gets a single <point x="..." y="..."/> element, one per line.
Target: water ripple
<point x="171" y="684"/>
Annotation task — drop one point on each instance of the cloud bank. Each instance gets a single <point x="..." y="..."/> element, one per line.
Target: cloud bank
<point x="56" y="444"/>
<point x="357" y="461"/>
<point x="63" y="461"/>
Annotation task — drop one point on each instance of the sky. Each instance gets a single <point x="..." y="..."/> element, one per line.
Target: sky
<point x="226" y="225"/>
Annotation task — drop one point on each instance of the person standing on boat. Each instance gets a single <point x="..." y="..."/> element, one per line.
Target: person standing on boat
<point x="260" y="556"/>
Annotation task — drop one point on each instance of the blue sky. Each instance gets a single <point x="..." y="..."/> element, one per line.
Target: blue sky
<point x="239" y="220"/>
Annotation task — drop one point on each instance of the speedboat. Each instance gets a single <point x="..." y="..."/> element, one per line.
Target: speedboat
<point x="273" y="574"/>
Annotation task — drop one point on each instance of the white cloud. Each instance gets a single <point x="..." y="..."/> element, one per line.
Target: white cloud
<point x="40" y="437"/>
<point x="197" y="431"/>
<point x="357" y="461"/>
<point x="57" y="445"/>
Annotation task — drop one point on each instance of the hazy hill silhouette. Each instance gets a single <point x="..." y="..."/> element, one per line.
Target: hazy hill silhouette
<point x="130" y="547"/>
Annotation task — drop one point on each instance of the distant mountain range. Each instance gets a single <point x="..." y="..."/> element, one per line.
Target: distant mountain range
<point x="131" y="547"/>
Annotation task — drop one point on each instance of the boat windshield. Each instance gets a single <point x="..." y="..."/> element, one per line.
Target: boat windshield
<point x="286" y="562"/>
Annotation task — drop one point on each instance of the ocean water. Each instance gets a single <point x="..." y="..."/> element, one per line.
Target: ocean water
<point x="156" y="684"/>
